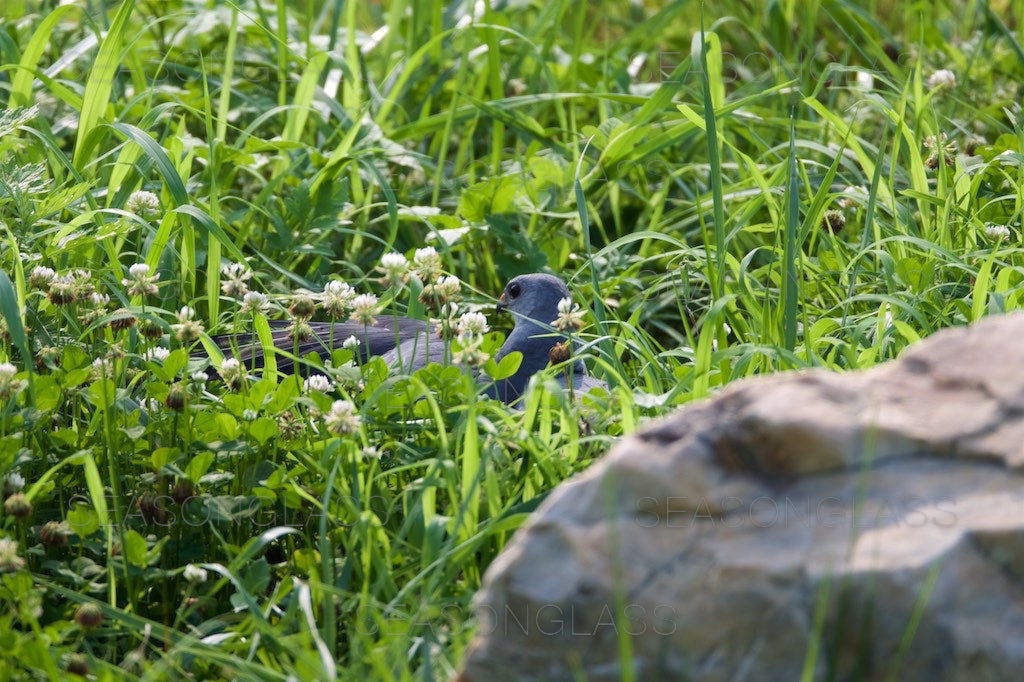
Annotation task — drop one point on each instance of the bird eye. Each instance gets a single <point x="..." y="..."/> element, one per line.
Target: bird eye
<point x="514" y="289"/>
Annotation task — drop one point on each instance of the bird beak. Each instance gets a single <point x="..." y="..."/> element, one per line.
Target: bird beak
<point x="502" y="303"/>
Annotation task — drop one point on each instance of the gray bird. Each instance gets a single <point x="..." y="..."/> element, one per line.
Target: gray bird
<point x="533" y="301"/>
<point x="410" y="344"/>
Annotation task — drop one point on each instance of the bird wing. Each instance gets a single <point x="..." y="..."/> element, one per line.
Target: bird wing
<point x="374" y="340"/>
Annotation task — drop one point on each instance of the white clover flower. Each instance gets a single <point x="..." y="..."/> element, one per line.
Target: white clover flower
<point x="443" y="291"/>
<point x="364" y="307"/>
<point x="942" y="148"/>
<point x="447" y="325"/>
<point x="342" y="418"/>
<point x="570" y="317"/>
<point x="156" y="354"/>
<point x="102" y="368"/>
<point x="143" y="203"/>
<point x="254" y="302"/>
<point x="943" y="78"/>
<point x="231" y="372"/>
<point x="337" y="297"/>
<point x="139" y="271"/>
<point x="393" y="261"/>
<point x="98" y="303"/>
<point x="81" y="274"/>
<point x="449" y="287"/>
<point x="370" y="452"/>
<point x="997" y="232"/>
<point x="41" y="277"/>
<point x="194" y="574"/>
<point x="351" y="343"/>
<point x="472" y="323"/>
<point x="62" y="290"/>
<point x="318" y="383"/>
<point x="13" y="483"/>
<point x="300" y="330"/>
<point x="395" y="268"/>
<point x="470" y="353"/>
<point x="8" y="384"/>
<point x="427" y="263"/>
<point x="865" y="80"/>
<point x="149" y="405"/>
<point x="337" y="287"/>
<point x="235" y="277"/>
<point x="249" y="415"/>
<point x="9" y="559"/>
<point x="188" y="328"/>
<point x="424" y="255"/>
<point x="7" y="371"/>
<point x="140" y="282"/>
<point x="236" y="270"/>
<point x="200" y="377"/>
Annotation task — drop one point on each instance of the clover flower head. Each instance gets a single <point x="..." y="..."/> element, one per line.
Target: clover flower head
<point x="254" y="302"/>
<point x="231" y="373"/>
<point x="472" y="323"/>
<point x="194" y="574"/>
<point x="9" y="559"/>
<point x="470" y="352"/>
<point x="997" y="232"/>
<point x="143" y="203"/>
<point x="426" y="263"/>
<point x="156" y="354"/>
<point x="41" y="276"/>
<point x="139" y="281"/>
<point x="302" y="306"/>
<point x="395" y="269"/>
<point x="62" y="290"/>
<point x="188" y="328"/>
<point x="943" y="78"/>
<point x="317" y="383"/>
<point x="300" y="330"/>
<point x="570" y="317"/>
<point x="851" y="195"/>
<point x="236" y="276"/>
<point x="102" y="368"/>
<point x="364" y="307"/>
<point x="337" y="298"/>
<point x="342" y="418"/>
<point x="8" y="384"/>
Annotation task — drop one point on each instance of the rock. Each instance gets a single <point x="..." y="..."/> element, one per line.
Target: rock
<point x="860" y="526"/>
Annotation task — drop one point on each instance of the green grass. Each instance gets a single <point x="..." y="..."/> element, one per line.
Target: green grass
<point x="681" y="186"/>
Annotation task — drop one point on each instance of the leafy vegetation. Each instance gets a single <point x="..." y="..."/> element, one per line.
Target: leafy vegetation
<point x="812" y="184"/>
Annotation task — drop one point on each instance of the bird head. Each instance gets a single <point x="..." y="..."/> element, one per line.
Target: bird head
<point x="533" y="297"/>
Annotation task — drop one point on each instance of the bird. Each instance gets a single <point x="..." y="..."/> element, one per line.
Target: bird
<point x="533" y="300"/>
<point x="409" y="344"/>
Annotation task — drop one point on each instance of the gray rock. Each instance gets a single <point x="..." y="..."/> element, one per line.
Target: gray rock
<point x="861" y="526"/>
